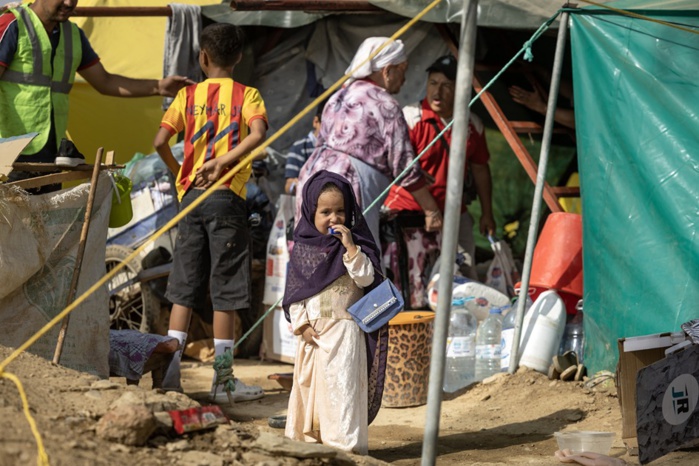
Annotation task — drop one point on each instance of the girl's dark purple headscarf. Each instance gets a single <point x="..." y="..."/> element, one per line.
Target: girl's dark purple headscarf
<point x="316" y="262"/>
<point x="316" y="258"/>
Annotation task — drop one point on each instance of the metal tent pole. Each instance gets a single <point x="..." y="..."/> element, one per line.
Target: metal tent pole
<point x="540" y="179"/>
<point x="452" y="215"/>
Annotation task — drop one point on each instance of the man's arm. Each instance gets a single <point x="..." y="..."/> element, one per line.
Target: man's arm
<point x="2" y="71"/>
<point x="536" y="101"/>
<point x="484" y="187"/>
<point x="120" y="86"/>
<point x="433" y="216"/>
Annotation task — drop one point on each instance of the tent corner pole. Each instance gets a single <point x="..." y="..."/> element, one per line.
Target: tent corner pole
<point x="452" y="216"/>
<point x="538" y="190"/>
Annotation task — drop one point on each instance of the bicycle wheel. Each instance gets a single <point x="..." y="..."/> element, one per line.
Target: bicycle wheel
<point x="131" y="305"/>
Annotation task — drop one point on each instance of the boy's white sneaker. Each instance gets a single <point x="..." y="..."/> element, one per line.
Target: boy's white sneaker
<point x="242" y="392"/>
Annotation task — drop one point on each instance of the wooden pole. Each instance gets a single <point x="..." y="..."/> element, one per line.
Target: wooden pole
<point x="81" y="252"/>
<point x="121" y="11"/>
<point x="355" y="6"/>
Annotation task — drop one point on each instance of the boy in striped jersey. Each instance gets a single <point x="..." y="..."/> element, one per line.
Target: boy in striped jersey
<point x="299" y="153"/>
<point x="222" y="121"/>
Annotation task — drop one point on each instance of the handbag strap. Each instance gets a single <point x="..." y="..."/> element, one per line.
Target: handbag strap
<point x="379" y="272"/>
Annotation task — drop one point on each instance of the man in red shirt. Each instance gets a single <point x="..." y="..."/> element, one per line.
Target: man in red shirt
<point x="426" y="120"/>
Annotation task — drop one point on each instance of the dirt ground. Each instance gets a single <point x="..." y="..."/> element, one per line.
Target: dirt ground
<point x="509" y="421"/>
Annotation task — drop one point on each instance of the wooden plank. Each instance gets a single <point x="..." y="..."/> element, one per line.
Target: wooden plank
<point x="48" y="167"/>
<point x="72" y="291"/>
<point x="50" y="179"/>
<point x="532" y="127"/>
<point x="51" y="167"/>
<point x="109" y="158"/>
<point x="527" y="127"/>
<point x="566" y="191"/>
<point x="125" y="11"/>
<point x="516" y="144"/>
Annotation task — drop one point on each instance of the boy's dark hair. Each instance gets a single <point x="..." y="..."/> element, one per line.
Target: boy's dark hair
<point x="320" y="108"/>
<point x="223" y="43"/>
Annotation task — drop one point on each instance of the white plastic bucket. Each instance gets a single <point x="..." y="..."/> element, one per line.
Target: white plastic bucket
<point x="542" y="331"/>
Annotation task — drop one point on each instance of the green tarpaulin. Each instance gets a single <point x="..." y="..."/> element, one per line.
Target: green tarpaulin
<point x="637" y="112"/>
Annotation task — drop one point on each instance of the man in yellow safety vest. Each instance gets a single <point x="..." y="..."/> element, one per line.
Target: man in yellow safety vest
<point x="40" y="52"/>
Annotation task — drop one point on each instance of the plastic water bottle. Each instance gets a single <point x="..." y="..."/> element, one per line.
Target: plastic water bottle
<point x="488" y="345"/>
<point x="508" y="335"/>
<point x="573" y="336"/>
<point x="460" y="365"/>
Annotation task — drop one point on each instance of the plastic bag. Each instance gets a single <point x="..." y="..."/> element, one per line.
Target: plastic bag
<point x="502" y="273"/>
<point x="278" y="251"/>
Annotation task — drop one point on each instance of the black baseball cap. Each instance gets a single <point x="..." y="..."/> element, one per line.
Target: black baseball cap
<point x="445" y="65"/>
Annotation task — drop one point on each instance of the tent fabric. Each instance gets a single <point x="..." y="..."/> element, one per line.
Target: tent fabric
<point x="281" y="74"/>
<point x="511" y="14"/>
<point x="636" y="94"/>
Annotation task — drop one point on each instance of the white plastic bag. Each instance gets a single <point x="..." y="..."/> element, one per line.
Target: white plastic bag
<point x="278" y="251"/>
<point x="502" y="273"/>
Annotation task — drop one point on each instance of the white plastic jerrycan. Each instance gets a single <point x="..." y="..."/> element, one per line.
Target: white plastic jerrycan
<point x="542" y="331"/>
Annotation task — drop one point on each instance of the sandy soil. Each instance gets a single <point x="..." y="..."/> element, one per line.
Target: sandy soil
<point x="509" y="421"/>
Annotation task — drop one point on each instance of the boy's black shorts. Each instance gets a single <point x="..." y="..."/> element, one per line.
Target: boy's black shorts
<point x="212" y="247"/>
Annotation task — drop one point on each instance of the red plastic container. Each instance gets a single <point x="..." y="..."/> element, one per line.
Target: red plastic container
<point x="570" y="300"/>
<point x="558" y="262"/>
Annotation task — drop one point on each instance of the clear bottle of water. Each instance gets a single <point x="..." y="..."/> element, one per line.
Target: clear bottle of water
<point x="459" y="369"/>
<point x="488" y="345"/>
<point x="573" y="336"/>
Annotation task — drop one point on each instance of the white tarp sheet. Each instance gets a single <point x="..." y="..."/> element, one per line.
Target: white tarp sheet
<point x="39" y="238"/>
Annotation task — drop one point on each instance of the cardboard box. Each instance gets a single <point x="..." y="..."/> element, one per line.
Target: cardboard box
<point x="668" y="402"/>
<point x="634" y="354"/>
<point x="278" y="341"/>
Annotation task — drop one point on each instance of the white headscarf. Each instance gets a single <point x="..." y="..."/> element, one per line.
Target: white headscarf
<point x="392" y="54"/>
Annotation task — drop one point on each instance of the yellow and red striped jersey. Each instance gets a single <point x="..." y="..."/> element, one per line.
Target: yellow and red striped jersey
<point x="215" y="116"/>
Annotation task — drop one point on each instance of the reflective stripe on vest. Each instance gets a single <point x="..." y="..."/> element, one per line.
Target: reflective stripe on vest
<point x="38" y="78"/>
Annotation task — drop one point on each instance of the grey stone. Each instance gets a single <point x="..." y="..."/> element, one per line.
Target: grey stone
<point x="282" y="446"/>
<point x="180" y="445"/>
<point x="256" y="458"/>
<point x="94" y="394"/>
<point x="200" y="458"/>
<point x="227" y="435"/>
<point x="164" y="421"/>
<point x="344" y="459"/>
<point x="130" y="425"/>
<point x="118" y="448"/>
<point x="155" y="401"/>
<point x="158" y="441"/>
<point x="104" y="385"/>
